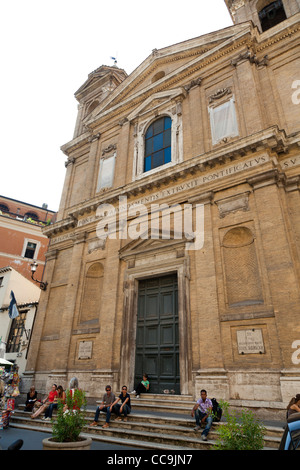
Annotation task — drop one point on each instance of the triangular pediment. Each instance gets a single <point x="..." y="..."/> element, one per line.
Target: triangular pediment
<point x="154" y="240"/>
<point x="168" y="63"/>
<point x="102" y="78"/>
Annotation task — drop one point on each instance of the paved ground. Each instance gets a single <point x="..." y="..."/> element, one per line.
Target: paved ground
<point x="33" y="440"/>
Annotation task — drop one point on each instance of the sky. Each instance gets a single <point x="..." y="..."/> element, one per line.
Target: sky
<point x="48" y="50"/>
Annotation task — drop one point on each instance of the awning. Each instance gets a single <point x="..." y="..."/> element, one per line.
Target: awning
<point x="5" y="362"/>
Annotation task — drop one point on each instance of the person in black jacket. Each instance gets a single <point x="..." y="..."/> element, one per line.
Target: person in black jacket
<point x="31" y="399"/>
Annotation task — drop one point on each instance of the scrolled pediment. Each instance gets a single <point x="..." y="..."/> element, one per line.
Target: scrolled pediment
<point x="157" y="100"/>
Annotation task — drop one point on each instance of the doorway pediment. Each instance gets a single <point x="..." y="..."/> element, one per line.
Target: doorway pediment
<point x="153" y="241"/>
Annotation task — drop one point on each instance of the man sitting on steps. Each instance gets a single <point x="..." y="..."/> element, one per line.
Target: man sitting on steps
<point x="106" y="406"/>
<point x="203" y="413"/>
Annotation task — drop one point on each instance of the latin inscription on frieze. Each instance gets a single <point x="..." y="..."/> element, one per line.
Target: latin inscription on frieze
<point x="197" y="182"/>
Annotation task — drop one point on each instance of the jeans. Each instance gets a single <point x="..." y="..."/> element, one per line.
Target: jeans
<point x="140" y="389"/>
<point x="126" y="410"/>
<point x="198" y="416"/>
<point x="106" y="410"/>
<point x="49" y="410"/>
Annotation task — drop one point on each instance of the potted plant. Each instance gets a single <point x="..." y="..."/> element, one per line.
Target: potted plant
<point x="71" y="418"/>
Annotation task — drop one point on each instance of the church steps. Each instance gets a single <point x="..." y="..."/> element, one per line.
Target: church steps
<point x="146" y="431"/>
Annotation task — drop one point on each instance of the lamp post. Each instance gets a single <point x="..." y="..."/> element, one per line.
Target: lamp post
<point x="43" y="285"/>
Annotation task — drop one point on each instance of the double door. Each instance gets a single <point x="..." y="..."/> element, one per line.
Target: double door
<point x="157" y="340"/>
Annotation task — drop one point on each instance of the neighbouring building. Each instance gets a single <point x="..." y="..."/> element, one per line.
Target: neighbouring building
<point x="176" y="249"/>
<point x="15" y="333"/>
<point x="21" y="237"/>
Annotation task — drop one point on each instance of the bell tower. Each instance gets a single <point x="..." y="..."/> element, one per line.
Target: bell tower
<point x="265" y="14"/>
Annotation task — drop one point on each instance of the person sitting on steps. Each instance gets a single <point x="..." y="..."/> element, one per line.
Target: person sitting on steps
<point x="203" y="412"/>
<point x="142" y="387"/>
<point x="125" y="407"/>
<point x="106" y="406"/>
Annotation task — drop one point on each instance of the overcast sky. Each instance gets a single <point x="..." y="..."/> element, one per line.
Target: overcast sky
<point x="47" y="51"/>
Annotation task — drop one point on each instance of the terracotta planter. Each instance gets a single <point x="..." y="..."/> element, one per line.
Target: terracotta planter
<point x="83" y="444"/>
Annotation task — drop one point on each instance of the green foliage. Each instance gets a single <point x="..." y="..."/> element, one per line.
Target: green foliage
<point x="241" y="431"/>
<point x="70" y="417"/>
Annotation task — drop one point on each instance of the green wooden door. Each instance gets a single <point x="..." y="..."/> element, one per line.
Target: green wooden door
<point x="157" y="341"/>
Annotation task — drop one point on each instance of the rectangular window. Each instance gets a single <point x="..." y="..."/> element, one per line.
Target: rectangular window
<point x="106" y="173"/>
<point x="30" y="250"/>
<point x="16" y="333"/>
<point x="223" y="121"/>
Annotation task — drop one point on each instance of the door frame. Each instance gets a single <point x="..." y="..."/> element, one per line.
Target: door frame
<point x="135" y="272"/>
<point x="160" y="322"/>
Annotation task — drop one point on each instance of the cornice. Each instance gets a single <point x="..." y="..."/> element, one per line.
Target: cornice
<point x="278" y="33"/>
<point x="271" y="139"/>
<point x="60" y="226"/>
<point x="120" y="105"/>
<point x="247" y="36"/>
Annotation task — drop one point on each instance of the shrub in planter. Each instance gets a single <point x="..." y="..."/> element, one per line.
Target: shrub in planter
<point x="71" y="417"/>
<point x="241" y="431"/>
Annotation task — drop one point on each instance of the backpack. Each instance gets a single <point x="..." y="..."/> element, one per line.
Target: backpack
<point x="217" y="410"/>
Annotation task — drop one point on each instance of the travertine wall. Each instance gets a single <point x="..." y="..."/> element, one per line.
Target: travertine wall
<point x="244" y="280"/>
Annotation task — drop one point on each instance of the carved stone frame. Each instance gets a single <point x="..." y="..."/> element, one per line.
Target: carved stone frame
<point x="179" y="264"/>
<point x="168" y="103"/>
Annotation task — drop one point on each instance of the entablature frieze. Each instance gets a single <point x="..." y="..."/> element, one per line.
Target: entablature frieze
<point x="225" y="161"/>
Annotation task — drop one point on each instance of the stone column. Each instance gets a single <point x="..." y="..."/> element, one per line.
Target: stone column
<point x="39" y="321"/>
<point x="65" y="192"/>
<point x="91" y="177"/>
<point x="208" y="364"/>
<point x="76" y="266"/>
<point x="250" y="103"/>
<point x="281" y="270"/>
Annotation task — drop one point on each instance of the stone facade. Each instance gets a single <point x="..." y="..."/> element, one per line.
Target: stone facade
<point x="234" y="102"/>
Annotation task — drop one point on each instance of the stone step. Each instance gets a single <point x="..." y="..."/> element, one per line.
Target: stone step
<point x="165" y="398"/>
<point x="148" y="429"/>
<point x="149" y="401"/>
<point x="163" y="405"/>
<point x="138" y="444"/>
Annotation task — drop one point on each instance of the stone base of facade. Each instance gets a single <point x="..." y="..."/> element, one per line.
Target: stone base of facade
<point x="267" y="393"/>
<point x="92" y="382"/>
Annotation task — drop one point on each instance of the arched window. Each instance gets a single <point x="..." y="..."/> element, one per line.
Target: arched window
<point x="32" y="215"/>
<point x="158" y="76"/>
<point x="158" y="143"/>
<point x="92" y="106"/>
<point x="271" y="15"/>
<point x="4" y="208"/>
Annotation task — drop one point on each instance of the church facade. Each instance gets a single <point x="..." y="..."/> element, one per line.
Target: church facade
<point x="176" y="249"/>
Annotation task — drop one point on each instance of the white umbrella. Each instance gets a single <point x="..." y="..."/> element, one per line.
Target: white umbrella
<point x="5" y="362"/>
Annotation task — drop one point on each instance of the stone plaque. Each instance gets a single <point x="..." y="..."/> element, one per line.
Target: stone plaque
<point x="85" y="350"/>
<point x="250" y="341"/>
